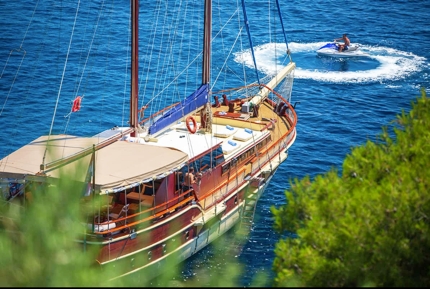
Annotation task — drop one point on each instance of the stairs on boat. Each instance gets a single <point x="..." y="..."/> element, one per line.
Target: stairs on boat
<point x="246" y="219"/>
<point x="209" y="214"/>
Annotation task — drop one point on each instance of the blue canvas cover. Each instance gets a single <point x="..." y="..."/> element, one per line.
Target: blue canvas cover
<point x="194" y="101"/>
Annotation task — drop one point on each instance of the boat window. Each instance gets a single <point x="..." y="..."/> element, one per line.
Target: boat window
<point x="147" y="189"/>
<point x="225" y="168"/>
<point x="246" y="155"/>
<point x="210" y="160"/>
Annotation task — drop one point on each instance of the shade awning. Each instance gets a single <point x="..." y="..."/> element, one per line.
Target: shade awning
<point x="118" y="164"/>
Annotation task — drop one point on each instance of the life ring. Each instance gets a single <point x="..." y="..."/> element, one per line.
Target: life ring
<point x="187" y="122"/>
<point x="77" y="104"/>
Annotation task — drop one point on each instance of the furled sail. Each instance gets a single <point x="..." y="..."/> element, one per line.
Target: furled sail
<point x="193" y="102"/>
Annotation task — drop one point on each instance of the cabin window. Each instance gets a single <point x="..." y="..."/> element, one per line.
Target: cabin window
<point x="225" y="168"/>
<point x="246" y="155"/>
<point x="210" y="160"/>
<point x="231" y="164"/>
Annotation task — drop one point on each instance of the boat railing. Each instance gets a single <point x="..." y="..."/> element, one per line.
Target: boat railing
<point x="205" y="201"/>
<point x="150" y="214"/>
<point x="152" y="116"/>
<point x="291" y="116"/>
<point x="214" y="196"/>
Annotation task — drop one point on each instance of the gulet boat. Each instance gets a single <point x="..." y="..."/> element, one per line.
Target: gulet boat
<point x="140" y="210"/>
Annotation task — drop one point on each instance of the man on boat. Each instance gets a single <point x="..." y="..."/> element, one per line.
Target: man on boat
<point x="190" y="179"/>
<point x="345" y="44"/>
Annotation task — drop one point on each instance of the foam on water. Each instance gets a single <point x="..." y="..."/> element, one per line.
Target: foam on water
<point x="391" y="64"/>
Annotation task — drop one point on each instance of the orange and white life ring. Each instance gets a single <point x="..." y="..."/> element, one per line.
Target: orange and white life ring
<point x="187" y="122"/>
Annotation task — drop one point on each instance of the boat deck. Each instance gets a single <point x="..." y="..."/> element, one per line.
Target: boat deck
<point x="232" y="127"/>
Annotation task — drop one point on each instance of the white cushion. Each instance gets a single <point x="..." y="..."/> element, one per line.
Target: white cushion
<point x="230" y="146"/>
<point x="243" y="135"/>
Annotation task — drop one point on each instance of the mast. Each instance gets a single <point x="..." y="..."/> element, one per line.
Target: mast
<point x="205" y="113"/>
<point x="134" y="65"/>
<point x="207" y="42"/>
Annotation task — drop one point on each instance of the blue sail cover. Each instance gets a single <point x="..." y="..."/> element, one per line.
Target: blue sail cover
<point x="194" y="101"/>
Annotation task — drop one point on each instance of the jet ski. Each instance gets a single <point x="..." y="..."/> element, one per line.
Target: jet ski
<point x="332" y="50"/>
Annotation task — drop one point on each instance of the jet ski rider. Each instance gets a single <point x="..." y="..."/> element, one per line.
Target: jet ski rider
<point x="345" y="44"/>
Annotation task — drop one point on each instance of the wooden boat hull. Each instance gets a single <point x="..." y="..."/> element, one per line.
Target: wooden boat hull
<point x="190" y="238"/>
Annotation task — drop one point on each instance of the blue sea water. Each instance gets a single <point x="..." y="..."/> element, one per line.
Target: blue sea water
<point x="341" y="103"/>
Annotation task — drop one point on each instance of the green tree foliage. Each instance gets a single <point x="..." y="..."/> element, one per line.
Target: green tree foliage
<point x="38" y="247"/>
<point x="37" y="241"/>
<point x="369" y="226"/>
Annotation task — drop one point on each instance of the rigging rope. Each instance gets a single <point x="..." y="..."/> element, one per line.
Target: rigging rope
<point x="250" y="40"/>
<point x="62" y="79"/>
<point x="283" y="30"/>
<point x="85" y="65"/>
<point x="22" y="59"/>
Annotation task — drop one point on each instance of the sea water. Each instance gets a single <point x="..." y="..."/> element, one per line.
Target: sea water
<point x="340" y="103"/>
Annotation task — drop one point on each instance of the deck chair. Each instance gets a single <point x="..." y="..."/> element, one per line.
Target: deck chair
<point x="119" y="215"/>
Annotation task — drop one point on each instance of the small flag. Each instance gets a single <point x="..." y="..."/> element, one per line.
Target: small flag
<point x="77" y="104"/>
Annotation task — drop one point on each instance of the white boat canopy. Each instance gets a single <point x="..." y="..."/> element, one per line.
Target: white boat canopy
<point x="117" y="165"/>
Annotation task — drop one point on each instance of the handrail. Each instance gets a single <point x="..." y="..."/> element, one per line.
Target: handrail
<point x="222" y="184"/>
<point x="157" y="113"/>
<point x="144" y="212"/>
<point x="157" y="215"/>
<point x="170" y="209"/>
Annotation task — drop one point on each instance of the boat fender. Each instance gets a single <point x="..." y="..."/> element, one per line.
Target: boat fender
<point x="280" y="107"/>
<point x="217" y="103"/>
<point x="142" y="112"/>
<point x="194" y="123"/>
<point x="255" y="109"/>
<point x="203" y="119"/>
<point x="134" y="139"/>
<point x="231" y="107"/>
<point x="272" y="123"/>
<point x="225" y="100"/>
<point x="283" y="110"/>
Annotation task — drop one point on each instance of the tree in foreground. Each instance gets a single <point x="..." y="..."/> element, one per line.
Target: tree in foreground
<point x="369" y="226"/>
<point x="38" y="247"/>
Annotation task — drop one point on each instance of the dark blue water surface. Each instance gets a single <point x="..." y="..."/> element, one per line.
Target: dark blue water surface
<point x="342" y="102"/>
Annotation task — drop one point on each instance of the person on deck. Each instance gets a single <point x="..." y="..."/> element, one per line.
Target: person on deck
<point x="190" y="179"/>
<point x="346" y="42"/>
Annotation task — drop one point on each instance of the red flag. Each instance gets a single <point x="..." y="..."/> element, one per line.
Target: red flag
<point x="76" y="104"/>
